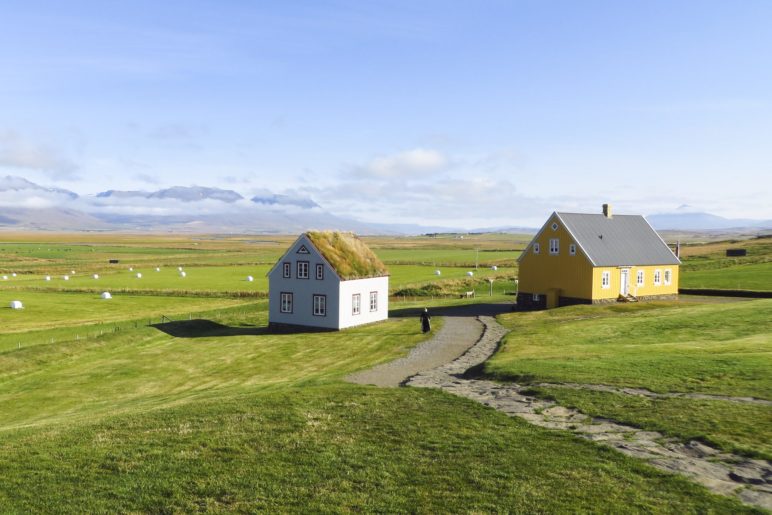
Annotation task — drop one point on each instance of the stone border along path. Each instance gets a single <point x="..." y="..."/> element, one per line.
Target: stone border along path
<point x="750" y="480"/>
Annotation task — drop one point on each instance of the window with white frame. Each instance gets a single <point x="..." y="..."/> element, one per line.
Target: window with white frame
<point x="657" y="277"/>
<point x="535" y="297"/>
<point x="356" y="304"/>
<point x="668" y="276"/>
<point x="286" y="302"/>
<point x="535" y="248"/>
<point x="320" y="305"/>
<point x="640" y="278"/>
<point x="302" y="270"/>
<point x="286" y="270"/>
<point x="554" y="246"/>
<point x="572" y="249"/>
<point x="319" y="271"/>
<point x="605" y="280"/>
<point x="554" y="226"/>
<point x="373" y="301"/>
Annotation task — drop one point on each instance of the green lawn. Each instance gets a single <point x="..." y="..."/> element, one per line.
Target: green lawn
<point x="227" y="417"/>
<point x="448" y="257"/>
<point x="753" y="276"/>
<point x="720" y="349"/>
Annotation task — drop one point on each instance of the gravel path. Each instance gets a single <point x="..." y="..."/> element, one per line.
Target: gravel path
<point x="748" y="479"/>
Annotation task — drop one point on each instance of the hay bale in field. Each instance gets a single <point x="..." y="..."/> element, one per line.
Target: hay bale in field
<point x="66" y="277"/>
<point x="179" y="269"/>
<point x="139" y="275"/>
<point x="13" y="274"/>
<point x="250" y="278"/>
<point x="494" y="268"/>
<point x="48" y="278"/>
<point x="16" y="304"/>
<point x="95" y="276"/>
<point x="5" y="278"/>
<point x="106" y="295"/>
<point x="470" y="274"/>
<point x="157" y="269"/>
<point x="183" y="274"/>
<point x="437" y="272"/>
<point x="72" y="272"/>
<point x="131" y="269"/>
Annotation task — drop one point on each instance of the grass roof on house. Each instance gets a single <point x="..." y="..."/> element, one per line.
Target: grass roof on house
<point x="347" y="254"/>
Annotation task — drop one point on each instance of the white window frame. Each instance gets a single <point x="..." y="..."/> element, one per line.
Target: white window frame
<point x="319" y="272"/>
<point x="640" y="278"/>
<point x="536" y="248"/>
<point x="668" y="277"/>
<point x="535" y="297"/>
<point x="302" y="269"/>
<point x="286" y="269"/>
<point x="554" y="246"/>
<point x="320" y="305"/>
<point x="605" y="280"/>
<point x="356" y="304"/>
<point x="286" y="302"/>
<point x="554" y="226"/>
<point x="657" y="277"/>
<point x="572" y="249"/>
<point x="373" y="301"/>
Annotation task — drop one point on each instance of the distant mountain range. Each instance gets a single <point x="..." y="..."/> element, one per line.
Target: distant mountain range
<point x="703" y="222"/>
<point x="25" y="205"/>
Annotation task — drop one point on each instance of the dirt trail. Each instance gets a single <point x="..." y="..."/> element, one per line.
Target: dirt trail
<point x="748" y="479"/>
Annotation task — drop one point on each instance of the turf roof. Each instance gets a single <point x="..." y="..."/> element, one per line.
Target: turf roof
<point x="347" y="254"/>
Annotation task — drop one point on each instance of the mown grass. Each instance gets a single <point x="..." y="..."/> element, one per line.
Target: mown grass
<point x="755" y="276"/>
<point x="203" y="416"/>
<point x="720" y="349"/>
<point x="330" y="448"/>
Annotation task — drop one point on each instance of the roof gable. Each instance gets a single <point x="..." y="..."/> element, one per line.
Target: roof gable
<point x="348" y="256"/>
<point x="621" y="240"/>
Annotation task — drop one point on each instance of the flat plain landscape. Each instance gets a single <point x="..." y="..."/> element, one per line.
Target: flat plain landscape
<point x="173" y="396"/>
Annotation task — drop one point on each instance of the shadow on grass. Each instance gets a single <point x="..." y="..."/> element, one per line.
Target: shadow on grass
<point x="200" y="328"/>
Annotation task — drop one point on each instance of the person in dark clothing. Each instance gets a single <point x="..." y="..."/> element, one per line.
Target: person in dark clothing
<point x="426" y="324"/>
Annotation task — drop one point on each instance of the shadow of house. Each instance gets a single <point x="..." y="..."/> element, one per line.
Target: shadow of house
<point x="200" y="328"/>
<point x="468" y="310"/>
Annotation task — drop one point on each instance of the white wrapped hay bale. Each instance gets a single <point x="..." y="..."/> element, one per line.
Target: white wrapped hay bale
<point x="158" y="269"/>
<point x="470" y="274"/>
<point x="95" y="276"/>
<point x="106" y="295"/>
<point x="437" y="272"/>
<point x="66" y="277"/>
<point x="5" y="278"/>
<point x="494" y="268"/>
<point x="16" y="304"/>
<point x="183" y="274"/>
<point x="72" y="272"/>
<point x="48" y="278"/>
<point x="13" y="274"/>
<point x="250" y="278"/>
<point x="139" y="275"/>
<point x="179" y="269"/>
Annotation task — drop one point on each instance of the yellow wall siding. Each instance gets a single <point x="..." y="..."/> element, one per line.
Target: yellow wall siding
<point x="648" y="288"/>
<point x="574" y="276"/>
<point x="543" y="272"/>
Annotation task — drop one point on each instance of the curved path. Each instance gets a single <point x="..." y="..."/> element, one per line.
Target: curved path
<point x="748" y="479"/>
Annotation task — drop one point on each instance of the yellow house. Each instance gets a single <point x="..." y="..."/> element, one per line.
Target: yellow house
<point x="582" y="258"/>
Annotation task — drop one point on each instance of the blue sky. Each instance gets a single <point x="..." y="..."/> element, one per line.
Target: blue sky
<point x="464" y="113"/>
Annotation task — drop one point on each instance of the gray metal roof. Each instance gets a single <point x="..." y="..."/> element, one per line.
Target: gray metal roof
<point x="622" y="240"/>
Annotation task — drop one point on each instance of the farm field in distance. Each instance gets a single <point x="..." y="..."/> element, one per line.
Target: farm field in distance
<point x="204" y="410"/>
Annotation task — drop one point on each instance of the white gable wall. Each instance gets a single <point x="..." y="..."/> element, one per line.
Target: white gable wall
<point x="303" y="290"/>
<point x="363" y="287"/>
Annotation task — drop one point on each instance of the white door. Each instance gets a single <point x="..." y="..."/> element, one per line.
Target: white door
<point x="624" y="273"/>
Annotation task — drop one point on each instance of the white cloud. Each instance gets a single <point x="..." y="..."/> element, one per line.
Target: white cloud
<point x="410" y="163"/>
<point x="17" y="152"/>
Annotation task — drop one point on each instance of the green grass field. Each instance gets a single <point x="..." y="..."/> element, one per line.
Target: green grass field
<point x="754" y="276"/>
<point x="225" y="417"/>
<point x="210" y="412"/>
<point x="720" y="349"/>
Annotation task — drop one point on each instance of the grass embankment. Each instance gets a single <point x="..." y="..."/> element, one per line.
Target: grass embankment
<point x="226" y="417"/>
<point x="707" y="266"/>
<point x="719" y="349"/>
